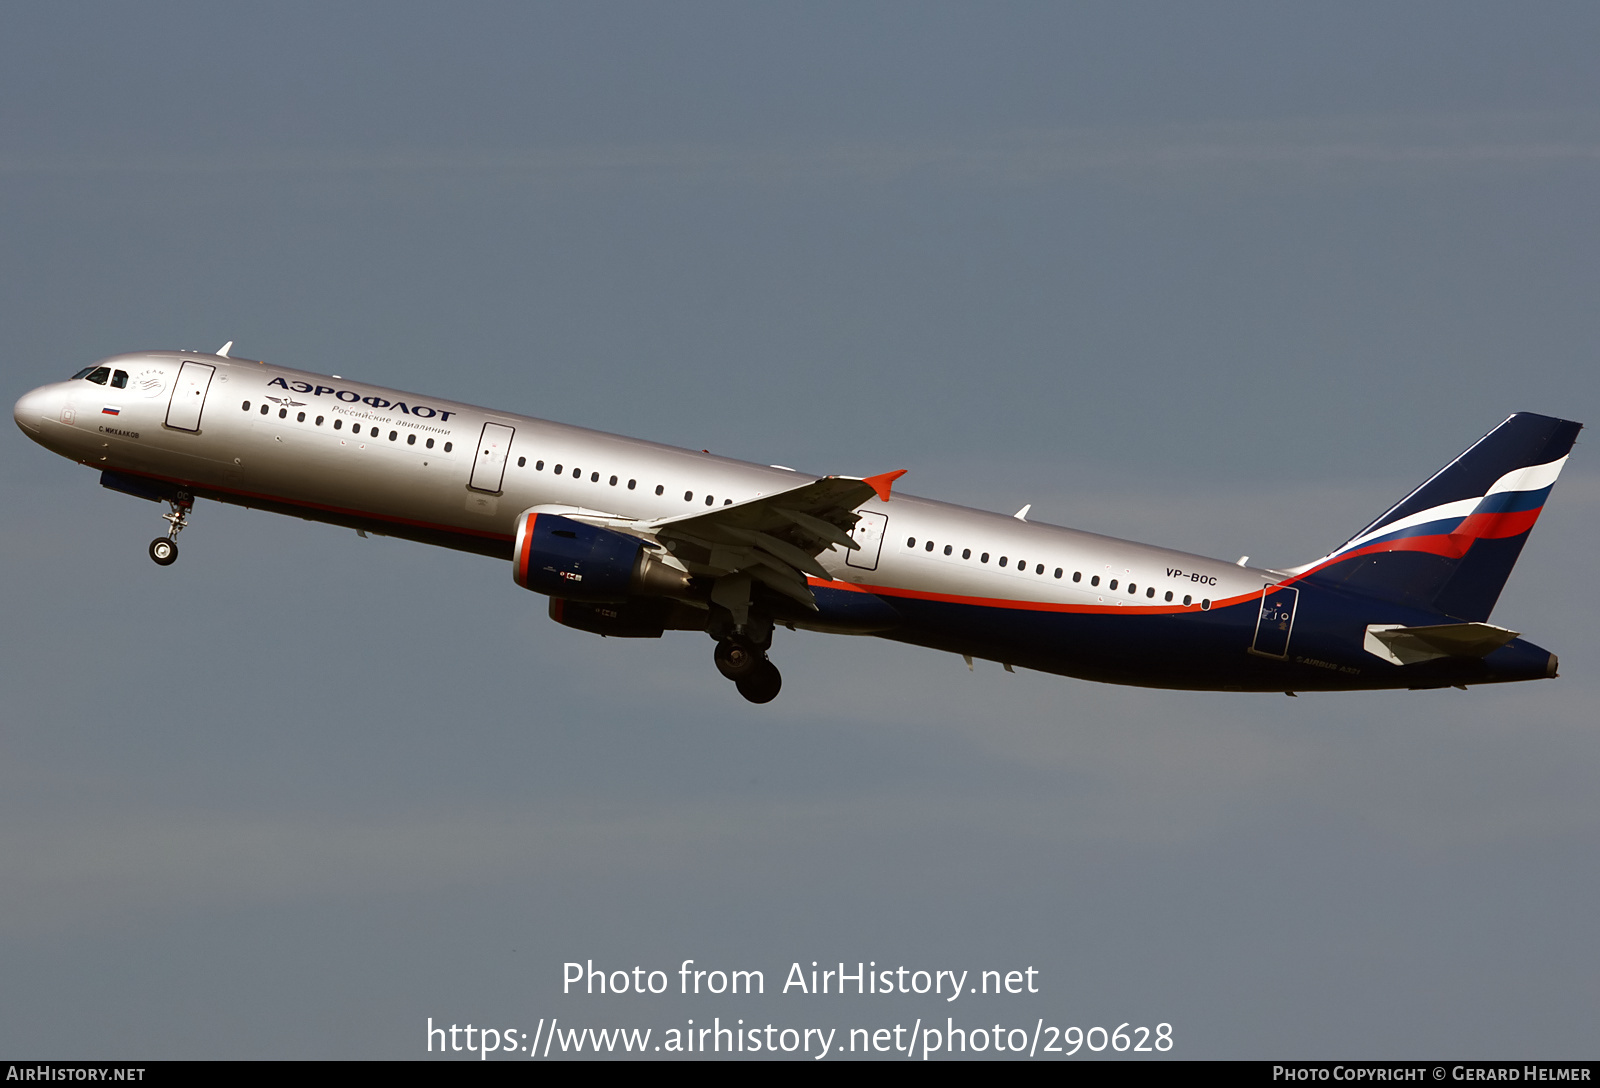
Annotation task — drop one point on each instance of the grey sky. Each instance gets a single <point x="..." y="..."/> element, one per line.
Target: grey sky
<point x="1230" y="278"/>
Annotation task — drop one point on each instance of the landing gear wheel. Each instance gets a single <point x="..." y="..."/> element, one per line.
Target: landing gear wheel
<point x="763" y="684"/>
<point x="737" y="660"/>
<point x="164" y="551"/>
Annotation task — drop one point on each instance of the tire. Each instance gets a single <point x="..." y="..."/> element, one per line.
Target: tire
<point x="737" y="660"/>
<point x="762" y="685"/>
<point x="164" y="551"/>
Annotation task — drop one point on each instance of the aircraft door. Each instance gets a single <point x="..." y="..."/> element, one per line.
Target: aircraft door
<point x="189" y="396"/>
<point x="868" y="533"/>
<point x="489" y="465"/>
<point x="1276" y="621"/>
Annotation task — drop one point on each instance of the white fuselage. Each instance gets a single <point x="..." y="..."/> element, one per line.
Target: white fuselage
<point x="411" y="468"/>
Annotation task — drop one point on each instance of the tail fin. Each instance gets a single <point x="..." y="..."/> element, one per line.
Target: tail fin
<point x="1450" y="545"/>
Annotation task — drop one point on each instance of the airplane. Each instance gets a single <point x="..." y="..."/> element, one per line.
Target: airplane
<point x="631" y="539"/>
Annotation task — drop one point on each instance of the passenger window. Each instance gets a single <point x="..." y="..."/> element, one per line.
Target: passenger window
<point x="1113" y="584"/>
<point x="928" y="547"/>
<point x="337" y="424"/>
<point x="301" y="418"/>
<point x="613" y="481"/>
<point x="522" y="462"/>
<point x="1132" y="588"/>
<point x="710" y="501"/>
<point x="911" y="542"/>
<point x="727" y="502"/>
<point x="1095" y="580"/>
<point x="411" y="440"/>
<point x="966" y="553"/>
<point x="247" y="406"/>
<point x="1059" y="572"/>
<point x="1040" y="570"/>
<point x="393" y="435"/>
<point x="948" y="549"/>
<point x="660" y="488"/>
<point x="265" y="408"/>
<point x="576" y="473"/>
<point x="448" y="446"/>
<point x="98" y="375"/>
<point x="1077" y="576"/>
<point x="1186" y="600"/>
<point x="1169" y="594"/>
<point x="688" y="496"/>
<point x="538" y="466"/>
<point x="283" y="413"/>
<point x="1002" y="560"/>
<point x="1205" y="603"/>
<point x="119" y="379"/>
<point x="594" y="477"/>
<point x="558" y="470"/>
<point x="984" y="558"/>
<point x="1150" y="592"/>
<point x="631" y="484"/>
<point x="429" y="444"/>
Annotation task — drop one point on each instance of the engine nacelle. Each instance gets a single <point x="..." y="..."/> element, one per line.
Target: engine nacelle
<point x="634" y="619"/>
<point x="581" y="562"/>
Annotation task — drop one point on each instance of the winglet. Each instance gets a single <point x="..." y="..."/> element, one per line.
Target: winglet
<point x="881" y="482"/>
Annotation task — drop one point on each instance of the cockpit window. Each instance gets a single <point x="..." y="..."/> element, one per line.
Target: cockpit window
<point x="119" y="379"/>
<point x="98" y="375"/>
<point x="84" y="373"/>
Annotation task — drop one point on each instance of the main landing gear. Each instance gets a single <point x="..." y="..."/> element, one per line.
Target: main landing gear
<point x="746" y="664"/>
<point x="164" y="549"/>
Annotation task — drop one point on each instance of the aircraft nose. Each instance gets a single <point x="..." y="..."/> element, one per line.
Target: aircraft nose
<point x="32" y="409"/>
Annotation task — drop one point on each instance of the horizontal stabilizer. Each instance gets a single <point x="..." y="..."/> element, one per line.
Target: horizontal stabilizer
<point x="1409" y="645"/>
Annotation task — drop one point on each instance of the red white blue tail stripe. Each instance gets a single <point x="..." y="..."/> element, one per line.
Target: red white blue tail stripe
<point x="1450" y="545"/>
<point x="1509" y="508"/>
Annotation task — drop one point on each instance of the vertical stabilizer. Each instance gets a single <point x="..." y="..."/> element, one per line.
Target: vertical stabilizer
<point x="1450" y="545"/>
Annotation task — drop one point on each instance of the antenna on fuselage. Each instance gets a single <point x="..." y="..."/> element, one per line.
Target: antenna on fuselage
<point x="1022" y="515"/>
<point x="223" y="351"/>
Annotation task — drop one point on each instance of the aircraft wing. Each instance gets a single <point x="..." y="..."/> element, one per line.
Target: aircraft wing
<point x="774" y="539"/>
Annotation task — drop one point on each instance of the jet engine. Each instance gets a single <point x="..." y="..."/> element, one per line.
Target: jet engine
<point x="581" y="562"/>
<point x="638" y="618"/>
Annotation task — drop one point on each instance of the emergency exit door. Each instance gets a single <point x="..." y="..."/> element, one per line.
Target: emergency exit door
<point x="489" y="463"/>
<point x="868" y="533"/>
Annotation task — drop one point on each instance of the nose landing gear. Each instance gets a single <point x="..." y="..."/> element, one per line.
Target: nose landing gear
<point x="164" y="549"/>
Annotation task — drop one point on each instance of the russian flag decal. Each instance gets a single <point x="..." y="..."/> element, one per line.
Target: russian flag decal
<point x="109" y="411"/>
